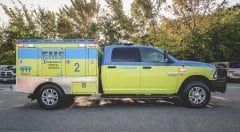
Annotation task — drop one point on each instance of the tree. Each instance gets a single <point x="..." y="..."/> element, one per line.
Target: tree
<point x="21" y="26"/>
<point x="146" y="15"/>
<point x="65" y="29"/>
<point x="224" y="34"/>
<point x="46" y="23"/>
<point x="82" y="14"/>
<point x="190" y="26"/>
<point x="199" y="30"/>
<point x="120" y="20"/>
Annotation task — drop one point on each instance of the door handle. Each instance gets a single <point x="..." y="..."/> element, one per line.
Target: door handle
<point x="111" y="67"/>
<point x="67" y="61"/>
<point x="147" y="67"/>
<point x="43" y="61"/>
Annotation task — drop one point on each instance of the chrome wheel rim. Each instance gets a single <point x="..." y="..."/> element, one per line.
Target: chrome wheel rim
<point x="197" y="95"/>
<point x="49" y="96"/>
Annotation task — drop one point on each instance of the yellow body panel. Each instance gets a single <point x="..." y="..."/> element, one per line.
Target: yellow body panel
<point x="84" y="88"/>
<point x="75" y="67"/>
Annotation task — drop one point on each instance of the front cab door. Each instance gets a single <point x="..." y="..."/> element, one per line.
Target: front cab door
<point x="157" y="76"/>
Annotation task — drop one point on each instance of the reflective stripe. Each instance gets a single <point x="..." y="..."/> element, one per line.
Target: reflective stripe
<point x="92" y="53"/>
<point x="75" y="53"/>
<point x="28" y="53"/>
<point x="71" y="53"/>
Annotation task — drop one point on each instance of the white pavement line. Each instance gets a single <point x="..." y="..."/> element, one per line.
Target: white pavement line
<point x="220" y="98"/>
<point x="5" y="89"/>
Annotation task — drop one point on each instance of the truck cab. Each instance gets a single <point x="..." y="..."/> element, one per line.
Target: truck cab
<point x="138" y="70"/>
<point x="149" y="70"/>
<point x="135" y="71"/>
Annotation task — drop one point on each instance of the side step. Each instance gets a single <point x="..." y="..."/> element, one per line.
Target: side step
<point x="138" y="96"/>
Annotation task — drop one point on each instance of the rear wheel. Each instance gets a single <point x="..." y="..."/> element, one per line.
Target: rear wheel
<point x="196" y="94"/>
<point x="50" y="97"/>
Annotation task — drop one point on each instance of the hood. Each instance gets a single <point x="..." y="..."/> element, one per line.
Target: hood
<point x="198" y="64"/>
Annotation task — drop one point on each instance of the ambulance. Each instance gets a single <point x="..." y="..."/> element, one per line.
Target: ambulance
<point x="48" y="70"/>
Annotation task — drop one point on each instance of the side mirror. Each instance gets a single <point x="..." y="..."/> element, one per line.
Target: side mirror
<point x="166" y="56"/>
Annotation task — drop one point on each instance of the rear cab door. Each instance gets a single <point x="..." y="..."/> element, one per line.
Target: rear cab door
<point x="121" y="72"/>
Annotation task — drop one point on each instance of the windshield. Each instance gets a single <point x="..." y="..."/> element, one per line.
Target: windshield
<point x="234" y="65"/>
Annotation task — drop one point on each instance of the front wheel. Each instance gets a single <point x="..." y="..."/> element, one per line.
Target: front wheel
<point x="50" y="96"/>
<point x="196" y="94"/>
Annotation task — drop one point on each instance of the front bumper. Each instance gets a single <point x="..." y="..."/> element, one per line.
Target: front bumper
<point x="219" y="85"/>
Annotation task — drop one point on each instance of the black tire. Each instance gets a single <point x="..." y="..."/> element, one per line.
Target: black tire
<point x="196" y="94"/>
<point x="53" y="96"/>
<point x="229" y="80"/>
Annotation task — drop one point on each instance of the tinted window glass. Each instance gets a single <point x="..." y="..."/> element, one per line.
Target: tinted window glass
<point x="126" y="55"/>
<point x="151" y="55"/>
<point x="234" y="64"/>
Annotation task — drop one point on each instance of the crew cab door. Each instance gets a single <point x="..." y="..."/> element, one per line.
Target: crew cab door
<point x="122" y="74"/>
<point x="157" y="76"/>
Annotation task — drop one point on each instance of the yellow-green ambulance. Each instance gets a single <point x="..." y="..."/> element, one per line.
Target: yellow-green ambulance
<point x="51" y="69"/>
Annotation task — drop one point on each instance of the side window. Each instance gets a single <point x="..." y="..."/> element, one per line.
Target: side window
<point x="126" y="55"/>
<point x="151" y="55"/>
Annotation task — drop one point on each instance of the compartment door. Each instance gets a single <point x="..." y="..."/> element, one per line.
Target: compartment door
<point x="51" y="62"/>
<point x="84" y="88"/>
<point x="92" y="62"/>
<point x="27" y="61"/>
<point x="75" y="63"/>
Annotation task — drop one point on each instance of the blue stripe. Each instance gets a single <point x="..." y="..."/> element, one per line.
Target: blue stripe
<point x="28" y="53"/>
<point x="57" y="41"/>
<point x="140" y="64"/>
<point x="75" y="53"/>
<point x="92" y="53"/>
<point x="70" y="53"/>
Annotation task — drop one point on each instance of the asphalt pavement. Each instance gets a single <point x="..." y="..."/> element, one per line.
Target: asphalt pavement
<point x="17" y="113"/>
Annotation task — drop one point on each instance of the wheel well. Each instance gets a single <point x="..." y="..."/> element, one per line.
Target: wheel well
<point x="34" y="95"/>
<point x="195" y="77"/>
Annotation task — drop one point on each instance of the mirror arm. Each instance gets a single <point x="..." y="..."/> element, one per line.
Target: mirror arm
<point x="166" y="56"/>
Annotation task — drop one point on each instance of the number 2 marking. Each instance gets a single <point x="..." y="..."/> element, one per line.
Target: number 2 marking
<point x="77" y="66"/>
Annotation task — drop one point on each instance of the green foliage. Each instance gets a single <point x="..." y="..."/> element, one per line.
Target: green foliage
<point x="200" y="30"/>
<point x="205" y="37"/>
<point x="82" y="15"/>
<point x="46" y="23"/>
<point x="65" y="28"/>
<point x="121" y="22"/>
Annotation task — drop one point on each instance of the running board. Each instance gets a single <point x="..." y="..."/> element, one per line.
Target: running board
<point x="138" y="96"/>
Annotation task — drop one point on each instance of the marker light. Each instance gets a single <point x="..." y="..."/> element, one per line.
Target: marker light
<point x="182" y="69"/>
<point x="81" y="45"/>
<point x="30" y="45"/>
<point x="92" y="45"/>
<point x="20" y="45"/>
